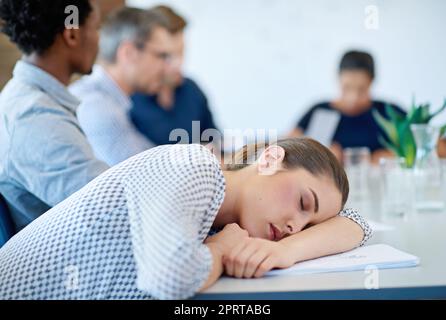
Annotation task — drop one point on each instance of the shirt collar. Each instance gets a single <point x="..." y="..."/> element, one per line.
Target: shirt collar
<point x="111" y="87"/>
<point x="37" y="77"/>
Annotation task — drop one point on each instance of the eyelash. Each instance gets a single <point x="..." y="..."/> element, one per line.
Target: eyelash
<point x="301" y="203"/>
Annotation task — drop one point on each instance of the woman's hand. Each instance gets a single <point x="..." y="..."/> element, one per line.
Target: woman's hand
<point x="228" y="238"/>
<point x="381" y="153"/>
<point x="253" y="257"/>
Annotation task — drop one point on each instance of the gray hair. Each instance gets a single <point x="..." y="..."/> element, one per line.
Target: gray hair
<point x="128" y="24"/>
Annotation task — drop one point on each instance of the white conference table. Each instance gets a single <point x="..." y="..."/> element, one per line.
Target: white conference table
<point x="421" y="234"/>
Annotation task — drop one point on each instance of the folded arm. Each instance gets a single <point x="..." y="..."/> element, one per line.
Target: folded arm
<point x="254" y="257"/>
<point x="344" y="232"/>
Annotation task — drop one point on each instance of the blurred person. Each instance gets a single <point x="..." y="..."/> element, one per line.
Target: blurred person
<point x="441" y="149"/>
<point x="357" y="126"/>
<point x="44" y="155"/>
<point x="134" y="48"/>
<point x="179" y="101"/>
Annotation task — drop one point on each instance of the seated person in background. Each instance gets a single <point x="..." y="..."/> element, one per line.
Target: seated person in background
<point x="44" y="155"/>
<point x="146" y="224"/>
<point x="178" y="102"/>
<point x="134" y="48"/>
<point x="356" y="126"/>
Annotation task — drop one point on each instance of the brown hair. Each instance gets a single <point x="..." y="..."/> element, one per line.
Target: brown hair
<point x="299" y="153"/>
<point x="176" y="22"/>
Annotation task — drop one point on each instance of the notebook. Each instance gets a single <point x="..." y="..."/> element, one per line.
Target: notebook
<point x="323" y="125"/>
<point x="381" y="256"/>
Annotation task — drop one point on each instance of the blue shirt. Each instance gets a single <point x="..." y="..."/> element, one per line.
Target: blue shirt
<point x="44" y="155"/>
<point x="156" y="123"/>
<point x="354" y="131"/>
<point x="104" y="116"/>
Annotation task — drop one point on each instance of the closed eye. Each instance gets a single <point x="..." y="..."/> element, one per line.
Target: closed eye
<point x="302" y="203"/>
<point x="307" y="226"/>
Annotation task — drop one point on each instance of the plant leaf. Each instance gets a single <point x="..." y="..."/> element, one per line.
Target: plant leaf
<point x="442" y="130"/>
<point x="426" y="113"/>
<point x="436" y="113"/>
<point x="389" y="146"/>
<point x="415" y="116"/>
<point x="408" y="147"/>
<point x="394" y="116"/>
<point x="387" y="126"/>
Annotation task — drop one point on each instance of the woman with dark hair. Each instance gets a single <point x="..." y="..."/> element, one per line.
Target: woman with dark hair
<point x="143" y="229"/>
<point x="356" y="126"/>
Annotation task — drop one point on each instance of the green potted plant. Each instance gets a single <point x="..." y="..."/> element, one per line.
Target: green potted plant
<point x="397" y="128"/>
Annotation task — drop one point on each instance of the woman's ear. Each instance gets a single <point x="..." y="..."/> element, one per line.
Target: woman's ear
<point x="270" y="161"/>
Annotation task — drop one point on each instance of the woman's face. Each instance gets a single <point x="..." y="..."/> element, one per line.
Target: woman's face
<point x="355" y="91"/>
<point x="278" y="205"/>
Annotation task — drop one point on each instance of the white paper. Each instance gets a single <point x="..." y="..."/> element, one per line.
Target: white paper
<point x="323" y="125"/>
<point x="380" y="256"/>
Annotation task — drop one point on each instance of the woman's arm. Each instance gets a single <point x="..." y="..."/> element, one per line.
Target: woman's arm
<point x="220" y="245"/>
<point x="217" y="265"/>
<point x="441" y="149"/>
<point x="255" y="257"/>
<point x="338" y="234"/>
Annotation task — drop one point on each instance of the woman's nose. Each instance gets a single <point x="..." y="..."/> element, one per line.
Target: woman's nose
<point x="295" y="225"/>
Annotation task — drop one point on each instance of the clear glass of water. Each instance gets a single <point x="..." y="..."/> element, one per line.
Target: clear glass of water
<point x="357" y="165"/>
<point x="397" y="188"/>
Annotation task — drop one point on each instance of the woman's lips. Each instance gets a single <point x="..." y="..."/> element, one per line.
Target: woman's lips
<point x="271" y="232"/>
<point x="274" y="233"/>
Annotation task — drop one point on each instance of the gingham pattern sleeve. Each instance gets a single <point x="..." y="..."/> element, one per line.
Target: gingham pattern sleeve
<point x="354" y="215"/>
<point x="172" y="204"/>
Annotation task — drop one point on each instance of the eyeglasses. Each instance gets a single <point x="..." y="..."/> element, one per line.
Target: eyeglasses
<point x="161" y="55"/>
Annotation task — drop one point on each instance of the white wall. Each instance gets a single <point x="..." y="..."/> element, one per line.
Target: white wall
<point x="264" y="62"/>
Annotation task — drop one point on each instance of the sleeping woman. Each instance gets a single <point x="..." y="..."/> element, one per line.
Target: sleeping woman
<point x="168" y="222"/>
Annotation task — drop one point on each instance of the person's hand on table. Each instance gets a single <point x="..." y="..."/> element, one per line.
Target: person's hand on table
<point x="381" y="153"/>
<point x="441" y="148"/>
<point x="253" y="257"/>
<point x="228" y="238"/>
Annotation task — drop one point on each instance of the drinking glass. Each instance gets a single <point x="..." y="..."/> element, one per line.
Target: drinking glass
<point x="357" y="165"/>
<point x="397" y="188"/>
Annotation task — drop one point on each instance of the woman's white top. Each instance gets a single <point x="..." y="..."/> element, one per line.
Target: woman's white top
<point x="135" y="232"/>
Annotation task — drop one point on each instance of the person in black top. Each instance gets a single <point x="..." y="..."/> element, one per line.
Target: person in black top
<point x="357" y="126"/>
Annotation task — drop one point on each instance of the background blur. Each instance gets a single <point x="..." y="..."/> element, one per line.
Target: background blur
<point x="263" y="63"/>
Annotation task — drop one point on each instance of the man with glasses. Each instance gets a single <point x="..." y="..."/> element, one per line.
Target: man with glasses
<point x="180" y="103"/>
<point x="134" y="50"/>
